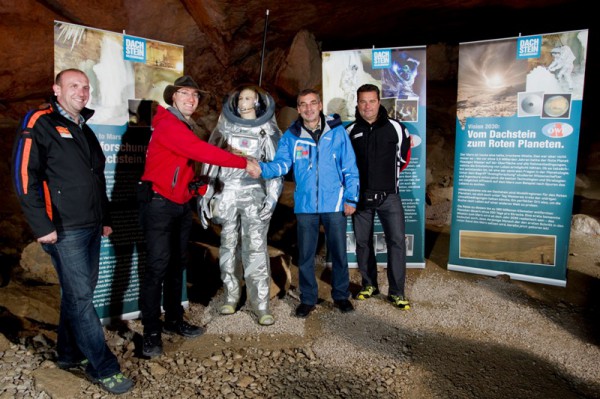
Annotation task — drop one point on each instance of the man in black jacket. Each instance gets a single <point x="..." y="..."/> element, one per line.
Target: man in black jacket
<point x="59" y="179"/>
<point x="382" y="148"/>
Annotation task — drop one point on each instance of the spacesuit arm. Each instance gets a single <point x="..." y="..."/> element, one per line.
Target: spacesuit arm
<point x="273" y="186"/>
<point x="216" y="138"/>
<point x="284" y="158"/>
<point x="211" y="171"/>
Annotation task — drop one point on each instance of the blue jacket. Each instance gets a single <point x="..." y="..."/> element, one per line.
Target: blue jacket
<point x="325" y="173"/>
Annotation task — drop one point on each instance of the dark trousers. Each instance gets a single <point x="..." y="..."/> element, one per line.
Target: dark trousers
<point x="167" y="227"/>
<point x="391" y="215"/>
<point x="308" y="236"/>
<point x="76" y="256"/>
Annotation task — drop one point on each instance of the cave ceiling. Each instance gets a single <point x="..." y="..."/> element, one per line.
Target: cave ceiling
<point x="221" y="36"/>
<point x="386" y="23"/>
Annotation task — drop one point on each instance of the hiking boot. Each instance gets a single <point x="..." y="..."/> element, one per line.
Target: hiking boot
<point x="182" y="328"/>
<point x="399" y="301"/>
<point x="367" y="292"/>
<point x="344" y="305"/>
<point x="67" y="365"/>
<point x="303" y="310"/>
<point x="116" y="384"/>
<point x="152" y="345"/>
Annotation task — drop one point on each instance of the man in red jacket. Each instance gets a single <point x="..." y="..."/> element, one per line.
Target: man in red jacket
<point x="166" y="213"/>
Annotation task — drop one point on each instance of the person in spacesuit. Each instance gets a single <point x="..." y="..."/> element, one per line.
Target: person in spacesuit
<point x="562" y="64"/>
<point x="398" y="80"/>
<point x="245" y="205"/>
<point x="349" y="84"/>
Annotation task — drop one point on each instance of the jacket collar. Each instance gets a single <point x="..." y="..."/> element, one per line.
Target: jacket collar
<point x="382" y="118"/>
<point x="85" y="113"/>
<point x="327" y="123"/>
<point x="179" y="116"/>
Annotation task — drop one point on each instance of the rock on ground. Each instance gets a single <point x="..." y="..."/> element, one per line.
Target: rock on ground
<point x="466" y="336"/>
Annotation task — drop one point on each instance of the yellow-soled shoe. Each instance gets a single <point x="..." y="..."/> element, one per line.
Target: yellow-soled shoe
<point x="367" y="292"/>
<point x="399" y="301"/>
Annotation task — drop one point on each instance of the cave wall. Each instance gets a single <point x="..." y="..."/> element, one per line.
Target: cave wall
<point x="222" y="47"/>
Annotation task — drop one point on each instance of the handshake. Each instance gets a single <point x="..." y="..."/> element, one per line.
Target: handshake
<point x="252" y="168"/>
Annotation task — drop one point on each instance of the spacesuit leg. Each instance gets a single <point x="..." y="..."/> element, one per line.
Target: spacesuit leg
<point x="255" y="256"/>
<point x="567" y="75"/>
<point x="231" y="271"/>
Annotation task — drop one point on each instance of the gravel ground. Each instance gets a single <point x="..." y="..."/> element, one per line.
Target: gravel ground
<point x="466" y="336"/>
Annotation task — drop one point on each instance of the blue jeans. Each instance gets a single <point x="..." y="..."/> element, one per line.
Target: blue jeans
<point x="308" y="237"/>
<point x="75" y="256"/>
<point x="167" y="227"/>
<point x="391" y="215"/>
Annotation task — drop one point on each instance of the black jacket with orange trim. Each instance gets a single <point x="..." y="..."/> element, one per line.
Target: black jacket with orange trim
<point x="58" y="172"/>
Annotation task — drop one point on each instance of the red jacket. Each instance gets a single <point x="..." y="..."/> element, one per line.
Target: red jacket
<point x="172" y="149"/>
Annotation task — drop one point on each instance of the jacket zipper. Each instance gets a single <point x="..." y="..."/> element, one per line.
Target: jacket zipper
<point x="174" y="182"/>
<point x="317" y="174"/>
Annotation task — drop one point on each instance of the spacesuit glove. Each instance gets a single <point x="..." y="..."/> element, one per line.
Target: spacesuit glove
<point x="204" y="220"/>
<point x="204" y="212"/>
<point x="267" y="209"/>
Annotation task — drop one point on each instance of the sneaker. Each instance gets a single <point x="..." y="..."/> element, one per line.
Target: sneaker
<point x="182" y="328"/>
<point x="67" y="365"/>
<point x="116" y="384"/>
<point x="399" y="301"/>
<point x="344" y="305"/>
<point x="303" y="310"/>
<point x="367" y="292"/>
<point x="152" y="345"/>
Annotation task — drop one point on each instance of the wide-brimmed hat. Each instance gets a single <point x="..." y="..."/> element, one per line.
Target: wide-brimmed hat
<point x="184" y="81"/>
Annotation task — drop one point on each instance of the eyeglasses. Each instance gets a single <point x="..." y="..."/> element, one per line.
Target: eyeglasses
<point x="195" y="95"/>
<point x="310" y="104"/>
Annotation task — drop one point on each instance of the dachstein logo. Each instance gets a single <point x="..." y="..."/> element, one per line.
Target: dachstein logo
<point x="134" y="49"/>
<point x="529" y="47"/>
<point x="381" y="59"/>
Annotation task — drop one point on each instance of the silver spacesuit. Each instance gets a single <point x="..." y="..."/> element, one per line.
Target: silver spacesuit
<point x="244" y="206"/>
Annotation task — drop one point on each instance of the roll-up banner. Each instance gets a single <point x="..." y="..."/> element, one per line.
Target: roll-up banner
<point x="517" y="132"/>
<point x="400" y="74"/>
<point x="127" y="76"/>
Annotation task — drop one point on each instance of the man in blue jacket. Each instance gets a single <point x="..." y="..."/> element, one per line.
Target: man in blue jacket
<point x="326" y="192"/>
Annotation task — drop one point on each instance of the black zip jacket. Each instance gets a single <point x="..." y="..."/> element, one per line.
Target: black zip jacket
<point x="382" y="151"/>
<point x="58" y="172"/>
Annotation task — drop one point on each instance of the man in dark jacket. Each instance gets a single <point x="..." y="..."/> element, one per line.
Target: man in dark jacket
<point x="59" y="179"/>
<point x="382" y="148"/>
